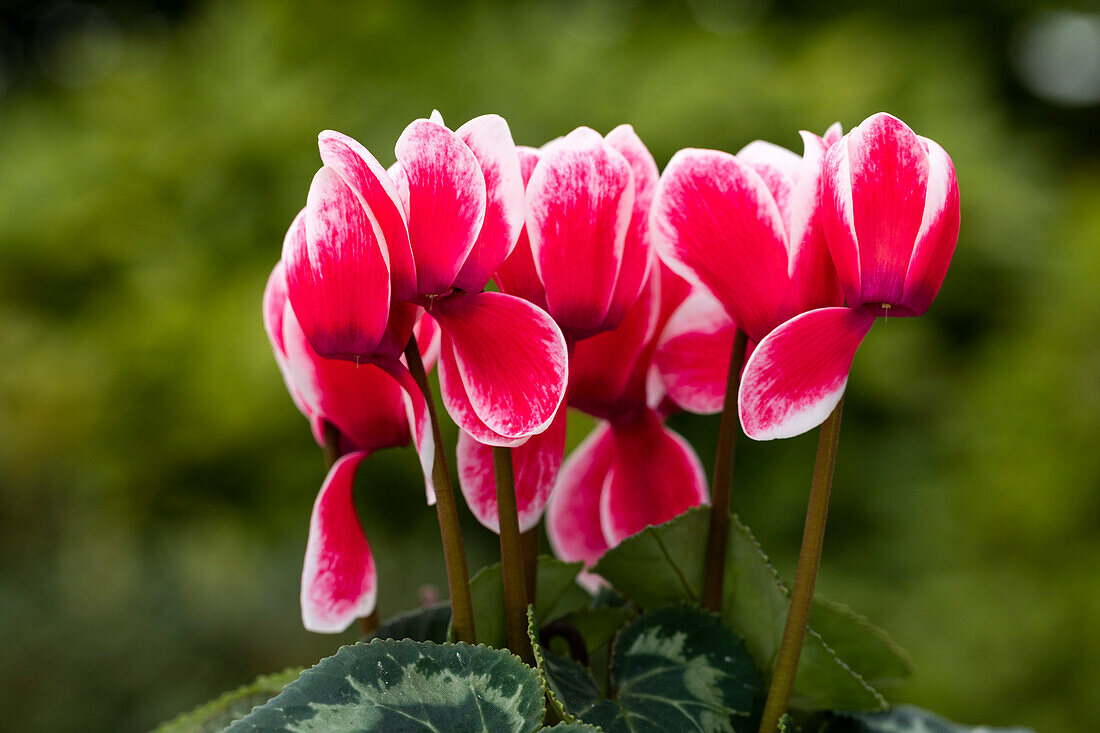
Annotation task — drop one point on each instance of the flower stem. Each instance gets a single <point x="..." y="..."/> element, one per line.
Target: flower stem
<point x="530" y="540"/>
<point x="511" y="556"/>
<point x="368" y="624"/>
<point x="454" y="552"/>
<point x="719" y="531"/>
<point x="809" y="558"/>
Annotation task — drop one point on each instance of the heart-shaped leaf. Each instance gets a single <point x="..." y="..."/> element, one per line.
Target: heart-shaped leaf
<point x="407" y="687"/>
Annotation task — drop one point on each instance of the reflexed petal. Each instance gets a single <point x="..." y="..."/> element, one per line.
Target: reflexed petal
<point x="637" y="253"/>
<point x="654" y="476"/>
<point x="838" y="222"/>
<point x="693" y="354"/>
<point x="274" y="307"/>
<point x="813" y="274"/>
<point x="716" y="224"/>
<point x="339" y="582"/>
<point x="510" y="359"/>
<point x="517" y="275"/>
<point x="573" y="516"/>
<point x="363" y="401"/>
<point x="778" y="167"/>
<point x="378" y="193"/>
<point x="403" y="317"/>
<point x="427" y="335"/>
<point x="419" y="419"/>
<point x="833" y="134"/>
<point x="445" y="201"/>
<point x="338" y="281"/>
<point x="602" y="368"/>
<point x="939" y="231"/>
<point x="579" y="203"/>
<point x="535" y="464"/>
<point x="889" y="175"/>
<point x="490" y="140"/>
<point x="459" y="407"/>
<point x="797" y="374"/>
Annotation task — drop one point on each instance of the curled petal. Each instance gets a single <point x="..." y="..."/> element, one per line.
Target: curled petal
<point x="716" y="223"/>
<point x="511" y="365"/>
<point x="573" y="515"/>
<point x="939" y="231"/>
<point x="443" y="188"/>
<point x="655" y="475"/>
<point x="797" y="374"/>
<point x="378" y="194"/>
<point x="338" y="280"/>
<point x="339" y="581"/>
<point x="535" y="464"/>
<point x="274" y="307"/>
<point x="579" y="203"/>
<point x="490" y="140"/>
<point x="637" y="253"/>
<point x="874" y="195"/>
<point x="361" y="400"/>
<point x="813" y="274"/>
<point x="693" y="354"/>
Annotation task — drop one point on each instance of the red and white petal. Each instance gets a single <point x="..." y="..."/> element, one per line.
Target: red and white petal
<point x="838" y="221"/>
<point x="693" y="354"/>
<point x="428" y="338"/>
<point x="339" y="580"/>
<point x="511" y="362"/>
<point x="637" y="252"/>
<point x="889" y="167"/>
<point x="573" y="515"/>
<point x="813" y="275"/>
<point x="579" y="203"/>
<point x="378" y="194"/>
<point x="833" y="134"/>
<point x="778" y="167"/>
<point x="361" y="400"/>
<point x="418" y="419"/>
<point x="274" y="308"/>
<point x="535" y="465"/>
<point x="458" y="405"/>
<point x="716" y="223"/>
<point x="491" y="141"/>
<point x="445" y="199"/>
<point x="338" y="280"/>
<point x="655" y="475"/>
<point x="797" y="374"/>
<point x="603" y="368"/>
<point x="939" y="231"/>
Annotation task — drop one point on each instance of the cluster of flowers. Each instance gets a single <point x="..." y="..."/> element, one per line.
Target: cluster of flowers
<point x="619" y="292"/>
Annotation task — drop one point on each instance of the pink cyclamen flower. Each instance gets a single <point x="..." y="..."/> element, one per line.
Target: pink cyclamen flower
<point x="583" y="256"/>
<point x="890" y="207"/>
<point x="373" y="244"/>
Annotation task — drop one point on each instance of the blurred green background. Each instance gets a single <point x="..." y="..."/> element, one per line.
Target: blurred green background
<point x="156" y="481"/>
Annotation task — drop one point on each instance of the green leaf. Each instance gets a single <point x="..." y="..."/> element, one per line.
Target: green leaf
<point x="675" y="669"/>
<point x="597" y="626"/>
<point x="575" y="728"/>
<point x="557" y="594"/>
<point x="568" y="685"/>
<point x="868" y="649"/>
<point x="664" y="564"/>
<point x="422" y="624"/>
<point x="217" y="714"/>
<point x="902" y="719"/>
<point x="406" y="686"/>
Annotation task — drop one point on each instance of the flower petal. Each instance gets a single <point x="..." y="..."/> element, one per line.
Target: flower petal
<point x="339" y="581"/>
<point x="655" y="475"/>
<point x="517" y="274"/>
<point x="693" y="354"/>
<point x="888" y="165"/>
<point x="511" y="360"/>
<point x="778" y="167"/>
<point x="457" y="401"/>
<point x="338" y="280"/>
<point x="274" y="307"/>
<point x="378" y="194"/>
<point x="490" y="140"/>
<point x="813" y="274"/>
<point x="573" y="515"/>
<point x="361" y="400"/>
<point x="716" y="224"/>
<point x="419" y="419"/>
<point x="637" y="253"/>
<point x="535" y="464"/>
<point x="579" y="203"/>
<point x="939" y="231"/>
<point x="443" y="188"/>
<point x="797" y="374"/>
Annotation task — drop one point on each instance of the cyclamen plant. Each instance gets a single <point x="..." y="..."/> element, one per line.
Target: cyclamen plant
<point x="741" y="284"/>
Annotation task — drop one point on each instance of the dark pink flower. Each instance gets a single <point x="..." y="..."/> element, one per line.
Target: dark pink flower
<point x="890" y="207"/>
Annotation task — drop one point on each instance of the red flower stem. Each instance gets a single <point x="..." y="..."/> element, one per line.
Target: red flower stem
<point x="530" y="540"/>
<point x="809" y="559"/>
<point x="511" y="556"/>
<point x="454" y="552"/>
<point x="719" y="530"/>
